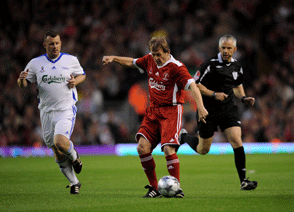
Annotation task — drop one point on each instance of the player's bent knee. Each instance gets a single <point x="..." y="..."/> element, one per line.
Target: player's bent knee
<point x="59" y="156"/>
<point x="61" y="142"/>
<point x="142" y="150"/>
<point x="57" y="144"/>
<point x="143" y="147"/>
<point x="169" y="150"/>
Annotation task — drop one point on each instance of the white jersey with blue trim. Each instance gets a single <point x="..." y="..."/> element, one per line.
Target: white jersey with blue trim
<point x="52" y="78"/>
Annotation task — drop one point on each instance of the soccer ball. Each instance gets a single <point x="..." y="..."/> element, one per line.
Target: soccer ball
<point x="168" y="186"/>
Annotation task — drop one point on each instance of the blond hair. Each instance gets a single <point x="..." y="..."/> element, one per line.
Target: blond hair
<point x="157" y="42"/>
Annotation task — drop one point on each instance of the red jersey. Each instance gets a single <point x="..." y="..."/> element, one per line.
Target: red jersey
<point x="166" y="82"/>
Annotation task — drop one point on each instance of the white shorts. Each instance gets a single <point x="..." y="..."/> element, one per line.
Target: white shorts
<point x="57" y="122"/>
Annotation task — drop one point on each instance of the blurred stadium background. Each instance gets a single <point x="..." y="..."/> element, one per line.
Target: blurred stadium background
<point x="113" y="99"/>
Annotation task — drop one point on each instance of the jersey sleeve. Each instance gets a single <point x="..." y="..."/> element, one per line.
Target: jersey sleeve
<point x="184" y="78"/>
<point x="76" y="67"/>
<point x="141" y="63"/>
<point x="201" y="72"/>
<point x="239" y="79"/>
<point x="31" y="73"/>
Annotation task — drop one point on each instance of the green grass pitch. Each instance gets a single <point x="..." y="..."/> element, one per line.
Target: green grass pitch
<point x="112" y="183"/>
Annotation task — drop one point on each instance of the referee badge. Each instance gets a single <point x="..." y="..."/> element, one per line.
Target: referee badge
<point x="235" y="75"/>
<point x="197" y="75"/>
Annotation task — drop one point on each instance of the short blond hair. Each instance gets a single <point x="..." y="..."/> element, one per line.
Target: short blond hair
<point x="157" y="42"/>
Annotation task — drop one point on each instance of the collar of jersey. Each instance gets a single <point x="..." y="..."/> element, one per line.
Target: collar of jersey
<point x="53" y="61"/>
<point x="220" y="59"/>
<point x="171" y="59"/>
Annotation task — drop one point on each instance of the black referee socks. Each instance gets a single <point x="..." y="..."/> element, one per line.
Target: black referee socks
<point x="240" y="162"/>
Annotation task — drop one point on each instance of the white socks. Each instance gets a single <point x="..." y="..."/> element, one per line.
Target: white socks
<point x="71" y="152"/>
<point x="68" y="171"/>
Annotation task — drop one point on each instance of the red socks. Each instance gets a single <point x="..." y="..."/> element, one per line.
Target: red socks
<point x="173" y="165"/>
<point x="148" y="165"/>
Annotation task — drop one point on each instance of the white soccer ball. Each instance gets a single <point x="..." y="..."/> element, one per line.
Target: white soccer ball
<point x="168" y="186"/>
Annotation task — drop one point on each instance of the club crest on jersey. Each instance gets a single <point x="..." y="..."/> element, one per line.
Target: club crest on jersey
<point x="42" y="69"/>
<point x="235" y="75"/>
<point x="165" y="76"/>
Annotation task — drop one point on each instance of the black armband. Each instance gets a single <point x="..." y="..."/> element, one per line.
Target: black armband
<point x="242" y="99"/>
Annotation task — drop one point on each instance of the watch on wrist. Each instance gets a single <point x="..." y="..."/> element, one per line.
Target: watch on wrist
<point x="213" y="95"/>
<point x="242" y="99"/>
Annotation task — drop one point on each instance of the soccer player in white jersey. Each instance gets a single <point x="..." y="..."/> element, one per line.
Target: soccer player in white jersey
<point x="57" y="75"/>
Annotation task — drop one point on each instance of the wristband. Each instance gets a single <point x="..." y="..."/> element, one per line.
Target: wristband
<point x="242" y="99"/>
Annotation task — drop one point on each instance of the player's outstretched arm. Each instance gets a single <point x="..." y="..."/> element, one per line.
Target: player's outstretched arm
<point x="198" y="99"/>
<point x="22" y="79"/>
<point x="124" y="61"/>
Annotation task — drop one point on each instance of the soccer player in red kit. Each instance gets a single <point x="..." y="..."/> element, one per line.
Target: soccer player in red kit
<point x="162" y="121"/>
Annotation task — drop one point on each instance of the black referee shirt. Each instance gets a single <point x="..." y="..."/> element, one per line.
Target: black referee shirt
<point x="219" y="76"/>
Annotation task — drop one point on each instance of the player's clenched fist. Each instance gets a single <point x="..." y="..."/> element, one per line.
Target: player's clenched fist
<point x="21" y="81"/>
<point x="23" y="75"/>
<point x="71" y="82"/>
<point x="107" y="59"/>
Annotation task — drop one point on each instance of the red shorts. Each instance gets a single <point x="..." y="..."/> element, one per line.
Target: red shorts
<point x="161" y="125"/>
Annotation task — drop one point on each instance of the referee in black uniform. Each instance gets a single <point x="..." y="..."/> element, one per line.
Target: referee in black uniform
<point x="219" y="79"/>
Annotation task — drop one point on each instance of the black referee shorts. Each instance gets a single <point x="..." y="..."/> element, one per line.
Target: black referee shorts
<point x="224" y="119"/>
